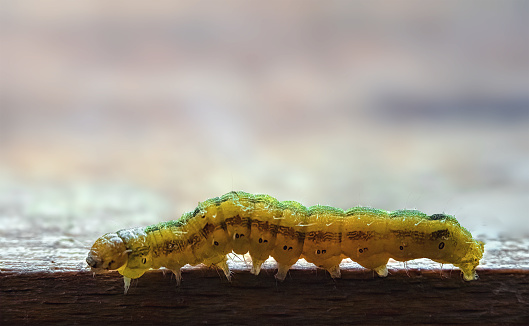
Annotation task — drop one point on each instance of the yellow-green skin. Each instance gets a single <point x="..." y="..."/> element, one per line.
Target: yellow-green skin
<point x="287" y="231"/>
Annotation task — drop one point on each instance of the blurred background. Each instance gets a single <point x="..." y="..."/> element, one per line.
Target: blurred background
<point x="123" y="113"/>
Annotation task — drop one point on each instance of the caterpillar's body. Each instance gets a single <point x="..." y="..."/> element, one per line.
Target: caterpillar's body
<point x="287" y="231"/>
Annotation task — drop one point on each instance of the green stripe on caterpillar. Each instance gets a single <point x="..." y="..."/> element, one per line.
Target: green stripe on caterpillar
<point x="287" y="231"/>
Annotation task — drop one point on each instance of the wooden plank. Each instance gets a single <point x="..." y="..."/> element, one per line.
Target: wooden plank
<point x="45" y="280"/>
<point x="306" y="297"/>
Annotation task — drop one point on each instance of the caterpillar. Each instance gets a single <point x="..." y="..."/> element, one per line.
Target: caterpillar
<point x="287" y="231"/>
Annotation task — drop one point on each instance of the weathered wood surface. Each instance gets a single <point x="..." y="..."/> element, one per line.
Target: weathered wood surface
<point x="46" y="282"/>
<point x="44" y="279"/>
<point x="306" y="297"/>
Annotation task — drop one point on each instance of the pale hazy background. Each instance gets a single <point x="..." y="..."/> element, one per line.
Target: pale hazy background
<point x="117" y="114"/>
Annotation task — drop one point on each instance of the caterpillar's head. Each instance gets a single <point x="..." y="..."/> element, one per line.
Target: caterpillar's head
<point x="107" y="253"/>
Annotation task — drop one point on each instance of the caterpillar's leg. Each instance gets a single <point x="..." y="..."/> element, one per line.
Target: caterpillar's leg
<point x="126" y="280"/>
<point x="256" y="266"/>
<point x="282" y="271"/>
<point x="224" y="266"/>
<point x="178" y="275"/>
<point x="381" y="270"/>
<point x="335" y="271"/>
<point x="469" y="274"/>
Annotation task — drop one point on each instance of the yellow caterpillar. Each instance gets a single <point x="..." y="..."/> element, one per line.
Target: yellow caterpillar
<point x="287" y="231"/>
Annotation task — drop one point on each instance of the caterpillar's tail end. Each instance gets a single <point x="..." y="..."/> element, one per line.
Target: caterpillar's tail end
<point x="470" y="276"/>
<point x="107" y="253"/>
<point x="471" y="261"/>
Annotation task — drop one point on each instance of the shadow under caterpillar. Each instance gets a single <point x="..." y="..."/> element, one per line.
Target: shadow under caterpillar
<point x="287" y="231"/>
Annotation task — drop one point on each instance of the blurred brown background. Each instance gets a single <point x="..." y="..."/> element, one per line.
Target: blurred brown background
<point x="118" y="114"/>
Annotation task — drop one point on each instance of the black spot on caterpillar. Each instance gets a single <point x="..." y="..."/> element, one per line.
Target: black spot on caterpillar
<point x="287" y="231"/>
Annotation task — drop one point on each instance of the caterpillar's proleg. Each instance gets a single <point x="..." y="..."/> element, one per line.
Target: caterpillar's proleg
<point x="335" y="271"/>
<point x="382" y="271"/>
<point x="287" y="231"/>
<point x="282" y="271"/>
<point x="223" y="265"/>
<point x="256" y="266"/>
<point x="126" y="281"/>
<point x="178" y="276"/>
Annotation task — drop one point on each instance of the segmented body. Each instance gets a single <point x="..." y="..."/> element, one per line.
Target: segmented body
<point x="287" y="231"/>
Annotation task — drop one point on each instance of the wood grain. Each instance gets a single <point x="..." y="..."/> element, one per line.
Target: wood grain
<point x="46" y="282"/>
